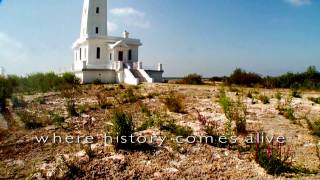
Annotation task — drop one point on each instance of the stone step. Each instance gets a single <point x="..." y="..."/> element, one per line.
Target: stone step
<point x="138" y="75"/>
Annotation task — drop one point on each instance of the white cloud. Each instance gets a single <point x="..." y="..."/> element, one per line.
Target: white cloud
<point x="112" y="27"/>
<point x="298" y="3"/>
<point x="128" y="11"/>
<point x="130" y="17"/>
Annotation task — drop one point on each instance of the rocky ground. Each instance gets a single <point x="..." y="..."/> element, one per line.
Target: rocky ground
<point x="22" y="157"/>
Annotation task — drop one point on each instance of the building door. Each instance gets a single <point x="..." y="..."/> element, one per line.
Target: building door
<point x="120" y="56"/>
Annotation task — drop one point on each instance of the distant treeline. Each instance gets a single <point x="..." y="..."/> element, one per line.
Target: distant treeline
<point x="310" y="79"/>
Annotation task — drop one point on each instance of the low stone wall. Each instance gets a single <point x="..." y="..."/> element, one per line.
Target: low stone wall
<point x="155" y="75"/>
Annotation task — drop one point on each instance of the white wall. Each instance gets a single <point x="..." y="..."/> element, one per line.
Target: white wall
<point x="155" y="75"/>
<point x="106" y="76"/>
<point x="129" y="78"/>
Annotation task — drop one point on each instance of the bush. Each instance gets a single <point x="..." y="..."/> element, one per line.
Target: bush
<point x="129" y="96"/>
<point x="57" y="119"/>
<point x="234" y="111"/>
<point x="314" y="126"/>
<point x="249" y="95"/>
<point x="30" y="120"/>
<point x="70" y="78"/>
<point x="193" y="79"/>
<point x="41" y="100"/>
<point x="174" y="102"/>
<point x="278" y="96"/>
<point x="275" y="159"/>
<point x="287" y="110"/>
<point x="295" y="93"/>
<point x="151" y="121"/>
<point x="146" y="111"/>
<point x="42" y="82"/>
<point x="122" y="128"/>
<point x="241" y="77"/>
<point x="97" y="82"/>
<point x="315" y="100"/>
<point x="18" y="102"/>
<point x="218" y="79"/>
<point x="175" y="129"/>
<point x="264" y="99"/>
<point x="103" y="101"/>
<point x="71" y="108"/>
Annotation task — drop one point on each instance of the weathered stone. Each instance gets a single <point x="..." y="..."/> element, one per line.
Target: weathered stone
<point x="170" y="170"/>
<point x="50" y="128"/>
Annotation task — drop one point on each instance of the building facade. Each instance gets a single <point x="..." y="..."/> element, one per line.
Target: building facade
<point x="109" y="59"/>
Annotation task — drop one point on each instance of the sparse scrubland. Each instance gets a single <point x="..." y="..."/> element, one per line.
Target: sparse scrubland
<point x="190" y="128"/>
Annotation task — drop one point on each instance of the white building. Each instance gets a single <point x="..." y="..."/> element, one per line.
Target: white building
<point x="108" y="59"/>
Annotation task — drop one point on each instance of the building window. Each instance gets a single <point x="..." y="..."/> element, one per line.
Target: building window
<point x="85" y="53"/>
<point x="130" y="55"/>
<point x="98" y="53"/>
<point x="97" y="30"/>
<point x="110" y="56"/>
<point x="120" y="56"/>
<point x="97" y="10"/>
<point x="80" y="54"/>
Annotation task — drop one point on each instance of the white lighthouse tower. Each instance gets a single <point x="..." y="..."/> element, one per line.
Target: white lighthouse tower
<point x="108" y="59"/>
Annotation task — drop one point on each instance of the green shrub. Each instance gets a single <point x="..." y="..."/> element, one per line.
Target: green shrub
<point x="30" y="120"/>
<point x="241" y="77"/>
<point x="194" y="79"/>
<point x="83" y="108"/>
<point x="274" y="159"/>
<point x="278" y="96"/>
<point x="234" y="111"/>
<point x="71" y="108"/>
<point x="18" y="102"/>
<point x="249" y="95"/>
<point x="175" y="129"/>
<point x="57" y="119"/>
<point x="289" y="114"/>
<point x="295" y="93"/>
<point x="286" y="109"/>
<point x="41" y="100"/>
<point x="42" y="82"/>
<point x="174" y="102"/>
<point x="314" y="126"/>
<point x="128" y="96"/>
<point x="264" y="99"/>
<point x="146" y="111"/>
<point x="70" y="78"/>
<point x="151" y="121"/>
<point x="97" y="82"/>
<point x="233" y="89"/>
<point x="103" y="101"/>
<point x="315" y="100"/>
<point x="122" y="128"/>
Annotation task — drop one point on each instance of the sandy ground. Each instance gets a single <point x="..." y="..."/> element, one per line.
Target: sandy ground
<point x="22" y="157"/>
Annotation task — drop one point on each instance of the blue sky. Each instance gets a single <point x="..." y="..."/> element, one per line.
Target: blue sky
<point x="209" y="37"/>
